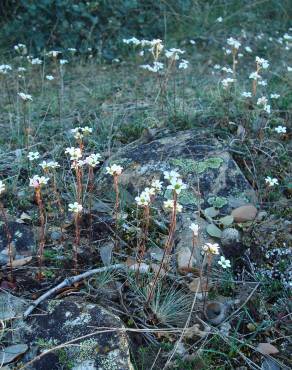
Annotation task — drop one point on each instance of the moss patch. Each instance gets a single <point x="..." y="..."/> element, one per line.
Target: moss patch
<point x="187" y="165"/>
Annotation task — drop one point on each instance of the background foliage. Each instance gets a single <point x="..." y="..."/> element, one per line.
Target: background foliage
<point x="102" y="24"/>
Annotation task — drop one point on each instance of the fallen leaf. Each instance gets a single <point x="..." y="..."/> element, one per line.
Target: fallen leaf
<point x="214" y="231"/>
<point x="211" y="212"/>
<point x="8" y="354"/>
<point x="227" y="220"/>
<point x="267" y="349"/>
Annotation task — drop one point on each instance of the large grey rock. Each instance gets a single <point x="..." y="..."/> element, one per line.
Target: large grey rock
<point x="196" y="157"/>
<point x="61" y="321"/>
<point x="200" y="159"/>
<point x="23" y="241"/>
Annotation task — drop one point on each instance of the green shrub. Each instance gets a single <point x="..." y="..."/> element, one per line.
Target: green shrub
<point x="100" y="25"/>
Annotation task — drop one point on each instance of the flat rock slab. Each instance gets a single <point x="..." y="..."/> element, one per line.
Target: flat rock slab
<point x="61" y="321"/>
<point x="197" y="157"/>
<point x="200" y="159"/>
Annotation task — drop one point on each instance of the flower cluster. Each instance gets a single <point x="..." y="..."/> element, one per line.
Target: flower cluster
<point x="75" y="207"/>
<point x="271" y="181"/>
<point x="176" y="183"/>
<point x="25" y="97"/>
<point x="80" y="132"/>
<point x="144" y="199"/>
<point x="114" y="170"/>
<point x="169" y="205"/>
<point x="5" y="68"/>
<point x="235" y="44"/>
<point x="47" y="165"/>
<point x="37" y="181"/>
<point x="93" y="159"/>
<point x="75" y="153"/>
<point x="210" y="248"/>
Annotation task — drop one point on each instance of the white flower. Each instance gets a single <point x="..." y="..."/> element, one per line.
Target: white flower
<point x="227" y="51"/>
<point x="86" y="130"/>
<point x="77" y="163"/>
<point x="227" y="81"/>
<point x="267" y="108"/>
<point x="271" y="181"/>
<point x="53" y="53"/>
<point x="35" y="61"/>
<point x="233" y="42"/>
<point x="281" y="129"/>
<point x="174" y="53"/>
<point x="93" y="159"/>
<point x="262" y="62"/>
<point x="21" y="69"/>
<point x="63" y="61"/>
<point x="157" y="185"/>
<point x="275" y="96"/>
<point x="219" y="20"/>
<point x="195" y="229"/>
<point x="114" y="170"/>
<point x="171" y="175"/>
<point x="193" y="42"/>
<point x="75" y="207"/>
<point x="77" y="132"/>
<point x="157" y="66"/>
<point x="211" y="248"/>
<point x="177" y="185"/>
<point x="169" y="204"/>
<point x="224" y="262"/>
<point x="248" y="49"/>
<point x="289" y="69"/>
<point x="25" y="97"/>
<point x="2" y="187"/>
<point x="75" y="153"/>
<point x="183" y="64"/>
<point x="262" y="101"/>
<point x="262" y="82"/>
<point x="20" y="48"/>
<point x="50" y="77"/>
<point x="37" y="181"/>
<point x="73" y="50"/>
<point x="287" y="37"/>
<point x="149" y="191"/>
<point x="227" y="69"/>
<point x="49" y="164"/>
<point x="246" y="94"/>
<point x="132" y="40"/>
<point x="217" y="66"/>
<point x="143" y="199"/>
<point x="33" y="155"/>
<point x="255" y="76"/>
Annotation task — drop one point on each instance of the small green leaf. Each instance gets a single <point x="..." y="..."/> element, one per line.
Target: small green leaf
<point x="214" y="231"/>
<point x="227" y="220"/>
<point x="211" y="212"/>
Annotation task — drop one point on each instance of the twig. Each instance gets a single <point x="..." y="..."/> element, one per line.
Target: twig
<point x="67" y="282"/>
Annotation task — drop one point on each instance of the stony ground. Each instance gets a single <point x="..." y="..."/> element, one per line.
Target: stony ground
<point x="230" y="149"/>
